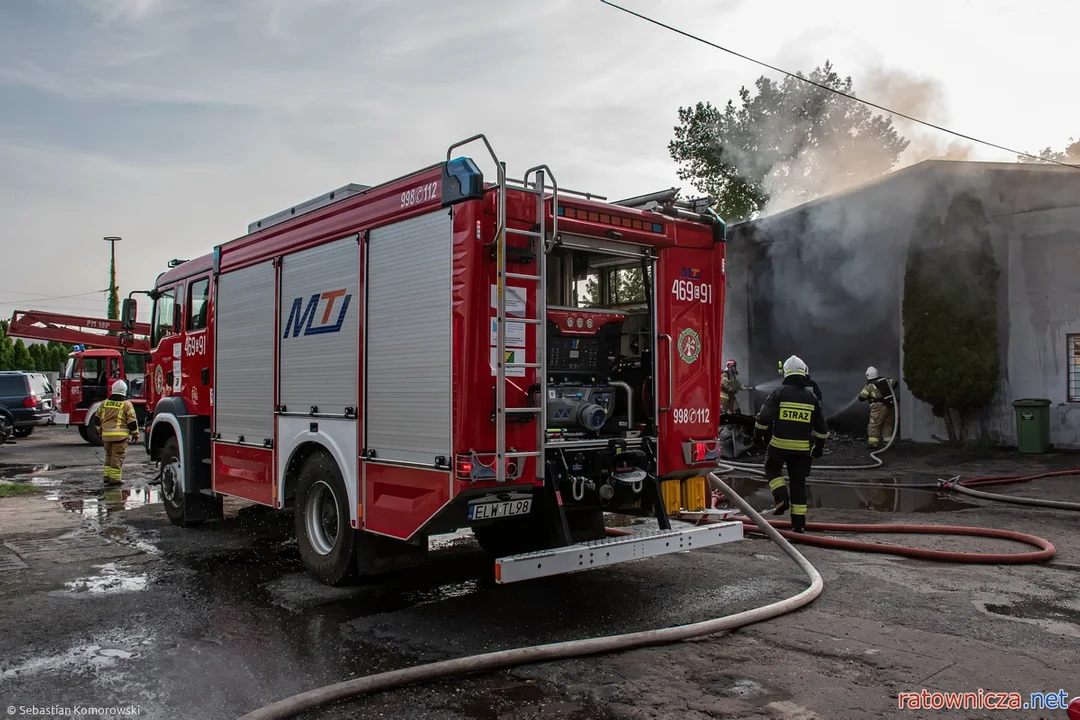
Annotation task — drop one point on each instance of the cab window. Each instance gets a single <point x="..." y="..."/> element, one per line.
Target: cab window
<point x="69" y="369"/>
<point x="198" y="300"/>
<point x="164" y="309"/>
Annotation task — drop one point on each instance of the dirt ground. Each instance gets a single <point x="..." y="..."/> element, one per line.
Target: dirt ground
<point x="105" y="604"/>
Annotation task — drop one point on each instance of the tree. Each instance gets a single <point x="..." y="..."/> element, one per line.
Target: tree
<point x="20" y="357"/>
<point x="1071" y="154"/>
<point x="625" y="286"/>
<point x="950" y="313"/>
<point x="791" y="140"/>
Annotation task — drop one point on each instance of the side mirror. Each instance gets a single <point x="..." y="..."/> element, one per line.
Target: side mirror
<point x="128" y="314"/>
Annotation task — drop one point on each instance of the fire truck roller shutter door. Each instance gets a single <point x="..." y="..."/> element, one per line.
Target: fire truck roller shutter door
<point x="318" y="328"/>
<point x="244" y="382"/>
<point x="408" y="339"/>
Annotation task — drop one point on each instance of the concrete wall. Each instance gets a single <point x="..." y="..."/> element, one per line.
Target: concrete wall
<point x="824" y="281"/>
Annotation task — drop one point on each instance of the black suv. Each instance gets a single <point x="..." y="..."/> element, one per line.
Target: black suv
<point x="28" y="397"/>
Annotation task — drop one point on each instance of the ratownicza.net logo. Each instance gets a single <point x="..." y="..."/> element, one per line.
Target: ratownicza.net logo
<point x="984" y="700"/>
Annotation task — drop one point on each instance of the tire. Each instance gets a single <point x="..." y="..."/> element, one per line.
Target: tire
<point x="23" y="432"/>
<point x="82" y="433"/>
<point x="6" y="428"/>
<point x="328" y="543"/>
<point x="172" y="494"/>
<point x="93" y="432"/>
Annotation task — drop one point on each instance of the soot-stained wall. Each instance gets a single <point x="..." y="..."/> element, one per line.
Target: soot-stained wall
<point x="824" y="281"/>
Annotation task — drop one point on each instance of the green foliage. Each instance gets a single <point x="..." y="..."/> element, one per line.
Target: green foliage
<point x="1071" y="154"/>
<point x="625" y="286"/>
<point x="950" y="312"/>
<point x="791" y="138"/>
<point x="13" y="489"/>
<point x="15" y="355"/>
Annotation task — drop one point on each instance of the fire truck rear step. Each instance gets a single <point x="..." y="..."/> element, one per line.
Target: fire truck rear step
<point x="613" y="550"/>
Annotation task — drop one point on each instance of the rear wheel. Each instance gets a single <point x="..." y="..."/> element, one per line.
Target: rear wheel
<point x="93" y="431"/>
<point x="23" y="432"/>
<point x="321" y="515"/>
<point x="6" y="428"/>
<point x="172" y="485"/>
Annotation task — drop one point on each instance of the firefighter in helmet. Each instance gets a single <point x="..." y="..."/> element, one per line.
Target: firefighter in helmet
<point x="810" y="381"/>
<point x="118" y="426"/>
<point x="879" y="393"/>
<point x="792" y="423"/>
<point x="729" y="385"/>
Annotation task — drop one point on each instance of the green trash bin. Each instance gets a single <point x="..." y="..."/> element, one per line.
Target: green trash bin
<point x="1032" y="425"/>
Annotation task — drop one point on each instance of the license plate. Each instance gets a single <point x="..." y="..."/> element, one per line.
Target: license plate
<point x="490" y="511"/>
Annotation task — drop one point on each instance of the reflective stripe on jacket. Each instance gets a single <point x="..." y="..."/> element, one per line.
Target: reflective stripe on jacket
<point x="794" y="416"/>
<point x="117" y="419"/>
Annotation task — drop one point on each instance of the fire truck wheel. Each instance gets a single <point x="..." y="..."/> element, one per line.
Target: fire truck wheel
<point x="327" y="540"/>
<point x="82" y="433"/>
<point x="172" y="492"/>
<point x="93" y="431"/>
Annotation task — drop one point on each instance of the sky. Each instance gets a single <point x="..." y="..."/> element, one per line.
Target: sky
<point x="175" y="123"/>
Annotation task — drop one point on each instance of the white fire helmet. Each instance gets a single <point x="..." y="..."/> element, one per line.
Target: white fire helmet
<point x="119" y="388"/>
<point x="794" y="366"/>
<point x="872" y="373"/>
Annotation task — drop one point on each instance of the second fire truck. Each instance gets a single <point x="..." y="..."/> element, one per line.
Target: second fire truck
<point x="97" y="360"/>
<point x="404" y="360"/>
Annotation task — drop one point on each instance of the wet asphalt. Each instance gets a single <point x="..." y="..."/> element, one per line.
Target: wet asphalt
<point x="215" y="621"/>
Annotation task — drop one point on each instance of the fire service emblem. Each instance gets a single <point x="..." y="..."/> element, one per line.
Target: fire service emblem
<point x="689" y="345"/>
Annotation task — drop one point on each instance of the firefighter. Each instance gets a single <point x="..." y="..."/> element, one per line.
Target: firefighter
<point x="118" y="426"/>
<point x="793" y="424"/>
<point x="729" y="385"/>
<point x="879" y="393"/>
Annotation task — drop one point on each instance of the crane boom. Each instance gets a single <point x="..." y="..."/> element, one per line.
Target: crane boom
<point x="78" y="330"/>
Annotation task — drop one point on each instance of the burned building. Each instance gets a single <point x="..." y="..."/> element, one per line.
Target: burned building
<point x="825" y="280"/>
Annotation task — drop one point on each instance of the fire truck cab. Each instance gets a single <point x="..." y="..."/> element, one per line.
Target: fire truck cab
<point x="440" y="352"/>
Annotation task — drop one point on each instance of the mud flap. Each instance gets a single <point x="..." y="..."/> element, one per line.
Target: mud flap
<point x="199" y="507"/>
<point x="651" y="491"/>
<point x="378" y="554"/>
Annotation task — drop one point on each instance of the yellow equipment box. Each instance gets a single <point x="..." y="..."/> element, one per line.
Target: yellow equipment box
<point x="693" y="494"/>
<point x="671" y="491"/>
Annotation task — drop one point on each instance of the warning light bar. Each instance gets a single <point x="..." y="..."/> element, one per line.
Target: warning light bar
<point x="595" y="216"/>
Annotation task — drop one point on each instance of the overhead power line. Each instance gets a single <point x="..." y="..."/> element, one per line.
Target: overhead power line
<point x="841" y="93"/>
<point x="48" y="298"/>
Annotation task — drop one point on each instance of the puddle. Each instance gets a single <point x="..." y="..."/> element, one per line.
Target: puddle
<point x="112" y="580"/>
<point x="1057" y="619"/>
<point x="12" y="471"/>
<point x="101" y="652"/>
<point x="878" y="498"/>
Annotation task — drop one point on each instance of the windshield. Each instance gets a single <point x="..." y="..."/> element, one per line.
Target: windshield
<point x="69" y="368"/>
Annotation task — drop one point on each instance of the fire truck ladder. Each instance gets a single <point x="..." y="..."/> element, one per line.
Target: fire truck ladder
<point x="538" y="236"/>
<point x="78" y="330"/>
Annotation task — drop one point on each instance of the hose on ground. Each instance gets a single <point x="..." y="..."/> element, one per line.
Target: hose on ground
<point x="289" y="707"/>
<point x="963" y="487"/>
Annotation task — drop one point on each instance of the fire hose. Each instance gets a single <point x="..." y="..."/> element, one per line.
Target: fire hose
<point x="964" y="487"/>
<point x="292" y="706"/>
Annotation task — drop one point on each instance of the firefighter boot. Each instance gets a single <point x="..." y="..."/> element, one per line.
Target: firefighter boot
<point x="798" y="518"/>
<point x="780" y="495"/>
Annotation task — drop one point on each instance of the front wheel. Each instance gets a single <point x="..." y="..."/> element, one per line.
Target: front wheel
<point x="93" y="431"/>
<point x="321" y="515"/>
<point x="172" y="484"/>
<point x="6" y="428"/>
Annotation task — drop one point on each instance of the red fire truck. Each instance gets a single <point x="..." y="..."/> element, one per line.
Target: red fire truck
<point x="409" y="359"/>
<point x="98" y="360"/>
